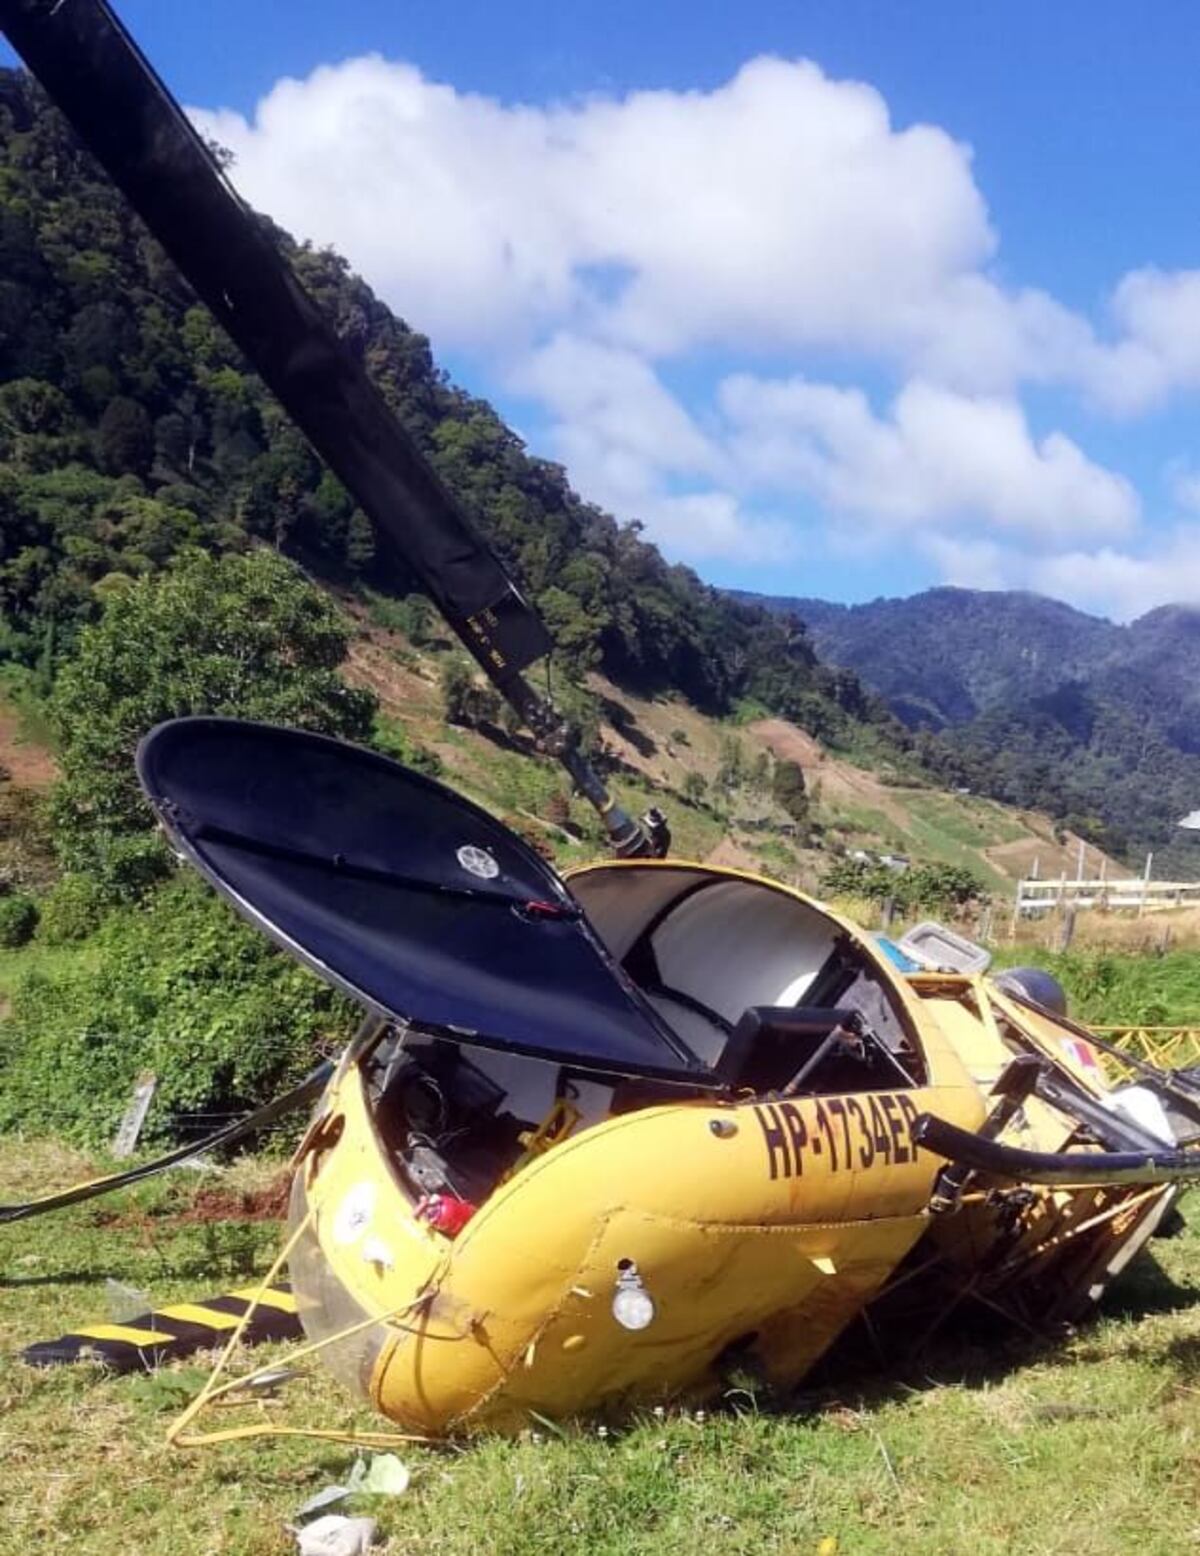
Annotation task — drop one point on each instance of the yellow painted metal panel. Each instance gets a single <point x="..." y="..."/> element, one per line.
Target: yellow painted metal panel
<point x="282" y="1301"/>
<point x="126" y="1334"/>
<point x="193" y="1313"/>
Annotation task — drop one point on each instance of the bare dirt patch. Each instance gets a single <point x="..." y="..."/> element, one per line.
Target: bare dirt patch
<point x="222" y="1204"/>
<point x="215" y="1202"/>
<point x="1018" y="859"/>
<point x="840" y="780"/>
<point x="28" y="766"/>
<point x="729" y="854"/>
<point x="372" y="663"/>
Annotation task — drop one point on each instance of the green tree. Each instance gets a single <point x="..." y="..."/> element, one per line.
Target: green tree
<point x="241" y="635"/>
<point x="360" y="542"/>
<point x="694" y="787"/>
<point x="456" y="692"/>
<point x="126" y="438"/>
<point x="467" y="700"/>
<point x="789" y="791"/>
<point x="731" y="770"/>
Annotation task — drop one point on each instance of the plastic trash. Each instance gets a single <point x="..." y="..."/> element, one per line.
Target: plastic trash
<point x="385" y="1476"/>
<point x="124" y="1302"/>
<point x="336" y="1535"/>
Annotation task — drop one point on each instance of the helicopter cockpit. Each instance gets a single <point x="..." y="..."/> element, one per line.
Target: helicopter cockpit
<point x="766" y="991"/>
<point x="512" y="1009"/>
<point x="708" y="948"/>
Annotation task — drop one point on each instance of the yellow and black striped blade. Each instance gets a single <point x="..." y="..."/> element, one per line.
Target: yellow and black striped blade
<point x="176" y="1330"/>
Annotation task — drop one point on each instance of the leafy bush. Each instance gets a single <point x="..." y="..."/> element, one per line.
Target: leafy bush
<point x="177" y="986"/>
<point x="467" y="700"/>
<point x="1109" y="988"/>
<point x="18" y="920"/>
<point x="790" y="791"/>
<point x="926" y="888"/>
<point x="414" y="616"/>
<point x="246" y="636"/>
<point x="391" y="737"/>
<point x="72" y="910"/>
<point x="941" y="886"/>
<point x="694" y="787"/>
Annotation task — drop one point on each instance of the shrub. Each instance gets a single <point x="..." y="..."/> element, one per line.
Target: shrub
<point x="465" y="699"/>
<point x="177" y="986"/>
<point x="244" y="636"/>
<point x="18" y="920"/>
<point x="926" y="888"/>
<point x="694" y="787"/>
<point x="72" y="910"/>
<point x="789" y="791"/>
<point x="414" y="616"/>
<point x="391" y="737"/>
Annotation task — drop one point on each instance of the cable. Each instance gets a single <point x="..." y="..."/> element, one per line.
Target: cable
<point x="300" y="1096"/>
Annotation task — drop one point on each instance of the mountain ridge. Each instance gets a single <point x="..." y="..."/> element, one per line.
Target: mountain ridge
<point x="1099" y="719"/>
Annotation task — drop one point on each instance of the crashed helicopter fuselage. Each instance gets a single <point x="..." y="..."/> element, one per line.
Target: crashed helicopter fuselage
<point x="606" y="1140"/>
<point x="603" y="1141"/>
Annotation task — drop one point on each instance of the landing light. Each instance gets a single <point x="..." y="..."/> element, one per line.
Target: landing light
<point x="632" y="1306"/>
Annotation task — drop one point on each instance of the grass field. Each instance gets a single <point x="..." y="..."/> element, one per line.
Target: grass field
<point x="981" y="1447"/>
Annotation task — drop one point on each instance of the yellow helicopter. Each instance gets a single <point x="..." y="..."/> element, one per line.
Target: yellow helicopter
<point x="604" y="1140"/>
<point x="601" y="1140"/>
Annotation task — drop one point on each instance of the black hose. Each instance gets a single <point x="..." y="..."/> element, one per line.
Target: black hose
<point x="1059" y="1169"/>
<point x="300" y="1096"/>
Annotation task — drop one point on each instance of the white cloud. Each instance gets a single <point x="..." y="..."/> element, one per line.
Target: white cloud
<point x="778" y="212"/>
<point x="1157" y="316"/>
<point x="1184" y="484"/>
<point x="1110" y="582"/>
<point x="936" y="455"/>
<point x="1125" y="585"/>
<point x="629" y="444"/>
<point x="612" y="399"/>
<point x="578" y="247"/>
<point x="971" y="564"/>
<point x="779" y="209"/>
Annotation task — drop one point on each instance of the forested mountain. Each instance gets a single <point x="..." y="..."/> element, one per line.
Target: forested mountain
<point x="130" y="428"/>
<point x="1030" y="700"/>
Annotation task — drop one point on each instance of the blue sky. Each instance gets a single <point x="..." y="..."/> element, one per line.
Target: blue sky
<point x="838" y="298"/>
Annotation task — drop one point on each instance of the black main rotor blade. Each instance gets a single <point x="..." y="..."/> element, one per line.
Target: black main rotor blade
<point x="129" y="121"/>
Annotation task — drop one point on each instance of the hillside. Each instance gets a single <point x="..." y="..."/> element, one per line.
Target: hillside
<point x="131" y="429"/>
<point x="1033" y="701"/>
<point x="652" y="745"/>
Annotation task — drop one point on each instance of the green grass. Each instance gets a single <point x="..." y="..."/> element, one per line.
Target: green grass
<point x="1107" y="988"/>
<point x="928" y="840"/>
<point x="17" y="962"/>
<point x="777" y="856"/>
<point x="976" y="823"/>
<point x="867" y="822"/>
<point x="1091" y="1447"/>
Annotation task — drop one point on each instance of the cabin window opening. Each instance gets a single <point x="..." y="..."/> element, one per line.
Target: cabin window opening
<point x="705" y="966"/>
<point x="810" y="1051"/>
